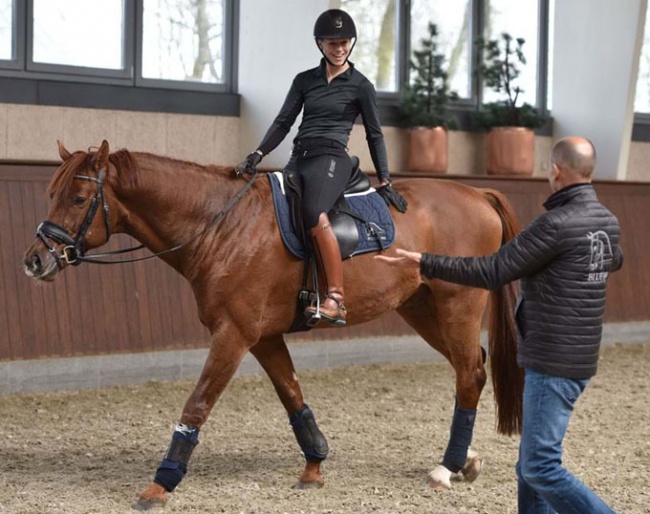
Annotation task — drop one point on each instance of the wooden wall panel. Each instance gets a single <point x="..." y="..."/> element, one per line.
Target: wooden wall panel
<point x="9" y="325"/>
<point x="147" y="306"/>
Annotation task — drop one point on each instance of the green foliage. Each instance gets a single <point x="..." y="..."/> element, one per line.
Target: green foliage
<point x="501" y="114"/>
<point x="501" y="62"/>
<point x="424" y="101"/>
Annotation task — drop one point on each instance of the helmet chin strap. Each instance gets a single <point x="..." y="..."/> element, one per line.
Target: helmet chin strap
<point x="325" y="57"/>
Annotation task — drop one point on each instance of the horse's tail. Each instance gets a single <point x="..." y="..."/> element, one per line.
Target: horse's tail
<point x="507" y="376"/>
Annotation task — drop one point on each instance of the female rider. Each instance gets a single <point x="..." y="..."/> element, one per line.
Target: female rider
<point x="332" y="96"/>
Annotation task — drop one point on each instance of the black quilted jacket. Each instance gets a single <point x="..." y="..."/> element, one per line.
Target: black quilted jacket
<point x="563" y="260"/>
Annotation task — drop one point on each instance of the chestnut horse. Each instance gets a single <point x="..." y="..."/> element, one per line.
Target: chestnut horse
<point x="246" y="283"/>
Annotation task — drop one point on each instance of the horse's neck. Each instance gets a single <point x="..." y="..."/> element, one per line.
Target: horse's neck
<point x="173" y="204"/>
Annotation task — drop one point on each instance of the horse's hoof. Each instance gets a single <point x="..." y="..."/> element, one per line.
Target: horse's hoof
<point x="439" y="479"/>
<point x="472" y="469"/>
<point x="143" y="505"/>
<point x="153" y="496"/>
<point x="307" y="485"/>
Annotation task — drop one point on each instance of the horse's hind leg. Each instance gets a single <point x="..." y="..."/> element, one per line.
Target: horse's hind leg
<point x="274" y="357"/>
<point x="450" y="321"/>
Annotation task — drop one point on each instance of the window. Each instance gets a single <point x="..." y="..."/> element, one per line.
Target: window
<point x="520" y="20"/>
<point x="453" y="22"/>
<point x="642" y="95"/>
<point x="184" y="40"/>
<point x="152" y="55"/>
<point x="389" y="30"/>
<point x="375" y="53"/>
<point x="6" y="30"/>
<point x="551" y="47"/>
<point x="64" y="35"/>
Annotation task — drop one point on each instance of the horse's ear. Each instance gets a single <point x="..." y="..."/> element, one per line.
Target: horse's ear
<point x="101" y="161"/>
<point x="63" y="152"/>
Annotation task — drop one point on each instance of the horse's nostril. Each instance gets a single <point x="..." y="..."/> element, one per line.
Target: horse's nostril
<point x="34" y="264"/>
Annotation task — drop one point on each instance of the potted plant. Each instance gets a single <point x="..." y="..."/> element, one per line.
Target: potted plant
<point x="422" y="107"/>
<point x="510" y="145"/>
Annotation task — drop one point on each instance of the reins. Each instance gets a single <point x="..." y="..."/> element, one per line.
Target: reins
<point x="74" y="252"/>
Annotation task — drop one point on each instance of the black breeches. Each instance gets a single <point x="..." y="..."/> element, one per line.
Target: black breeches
<point x="324" y="178"/>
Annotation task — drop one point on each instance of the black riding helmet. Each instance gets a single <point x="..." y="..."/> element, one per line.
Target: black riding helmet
<point x="335" y="24"/>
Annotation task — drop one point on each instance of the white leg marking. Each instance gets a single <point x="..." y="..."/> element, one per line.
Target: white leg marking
<point x="439" y="478"/>
<point x="473" y="466"/>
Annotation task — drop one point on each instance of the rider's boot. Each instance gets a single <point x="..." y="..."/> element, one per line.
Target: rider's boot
<point x="327" y="252"/>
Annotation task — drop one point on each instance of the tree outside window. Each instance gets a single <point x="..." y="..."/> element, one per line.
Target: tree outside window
<point x="375" y="52"/>
<point x="454" y="36"/>
<point x="520" y="20"/>
<point x="183" y="40"/>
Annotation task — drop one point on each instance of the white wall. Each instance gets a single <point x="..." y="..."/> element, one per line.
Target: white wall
<point x="597" y="44"/>
<point x="275" y="44"/>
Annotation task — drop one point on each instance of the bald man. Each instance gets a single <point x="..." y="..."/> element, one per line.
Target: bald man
<point x="563" y="260"/>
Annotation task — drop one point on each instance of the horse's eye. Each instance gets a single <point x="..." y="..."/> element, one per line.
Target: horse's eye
<point x="79" y="200"/>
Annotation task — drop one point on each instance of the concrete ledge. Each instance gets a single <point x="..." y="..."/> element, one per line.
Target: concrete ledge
<point x="109" y="370"/>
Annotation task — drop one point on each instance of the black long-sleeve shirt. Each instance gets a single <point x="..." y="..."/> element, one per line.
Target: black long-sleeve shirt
<point x="330" y="110"/>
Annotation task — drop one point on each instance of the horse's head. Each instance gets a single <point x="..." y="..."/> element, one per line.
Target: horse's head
<point x="78" y="219"/>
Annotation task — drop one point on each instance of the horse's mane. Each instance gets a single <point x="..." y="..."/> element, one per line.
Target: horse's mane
<point x="80" y="162"/>
<point x="126" y="165"/>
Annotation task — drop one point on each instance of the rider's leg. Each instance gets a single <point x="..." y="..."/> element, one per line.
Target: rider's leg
<point x="324" y="178"/>
<point x="327" y="252"/>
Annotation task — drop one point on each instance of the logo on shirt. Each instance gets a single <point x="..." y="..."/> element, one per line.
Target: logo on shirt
<point x="601" y="254"/>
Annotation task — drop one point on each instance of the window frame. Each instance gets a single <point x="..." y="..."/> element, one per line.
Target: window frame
<point x="24" y="81"/>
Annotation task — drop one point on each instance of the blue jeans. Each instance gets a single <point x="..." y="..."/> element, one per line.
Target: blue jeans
<point x="545" y="486"/>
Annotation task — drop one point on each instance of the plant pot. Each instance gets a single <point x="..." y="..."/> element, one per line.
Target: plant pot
<point x="510" y="151"/>
<point x="428" y="149"/>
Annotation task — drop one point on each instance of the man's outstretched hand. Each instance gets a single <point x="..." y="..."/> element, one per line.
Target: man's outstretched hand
<point x="404" y="259"/>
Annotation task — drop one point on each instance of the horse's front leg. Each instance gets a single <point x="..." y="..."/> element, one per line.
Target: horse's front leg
<point x="220" y="366"/>
<point x="274" y="357"/>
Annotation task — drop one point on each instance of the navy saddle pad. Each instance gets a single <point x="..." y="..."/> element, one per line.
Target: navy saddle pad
<point x="377" y="232"/>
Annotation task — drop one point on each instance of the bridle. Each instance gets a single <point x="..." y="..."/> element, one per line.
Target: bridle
<point x="75" y="248"/>
<point x="74" y="251"/>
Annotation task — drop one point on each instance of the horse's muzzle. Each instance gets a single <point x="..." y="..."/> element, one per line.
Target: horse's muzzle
<point x="39" y="264"/>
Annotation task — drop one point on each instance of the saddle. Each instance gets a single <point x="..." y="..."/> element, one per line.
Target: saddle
<point x="341" y="217"/>
<point x="360" y="220"/>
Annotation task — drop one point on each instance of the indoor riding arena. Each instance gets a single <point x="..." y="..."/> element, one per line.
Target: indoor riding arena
<point x="99" y="360"/>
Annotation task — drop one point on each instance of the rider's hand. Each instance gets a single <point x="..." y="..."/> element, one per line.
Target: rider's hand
<point x="249" y="164"/>
<point x="392" y="197"/>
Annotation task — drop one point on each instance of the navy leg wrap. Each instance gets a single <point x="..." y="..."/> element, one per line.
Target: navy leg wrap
<point x="311" y="440"/>
<point x="462" y="429"/>
<point x="173" y="467"/>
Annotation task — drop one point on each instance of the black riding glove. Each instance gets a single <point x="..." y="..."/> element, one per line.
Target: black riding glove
<point x="392" y="197"/>
<point x="249" y="164"/>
